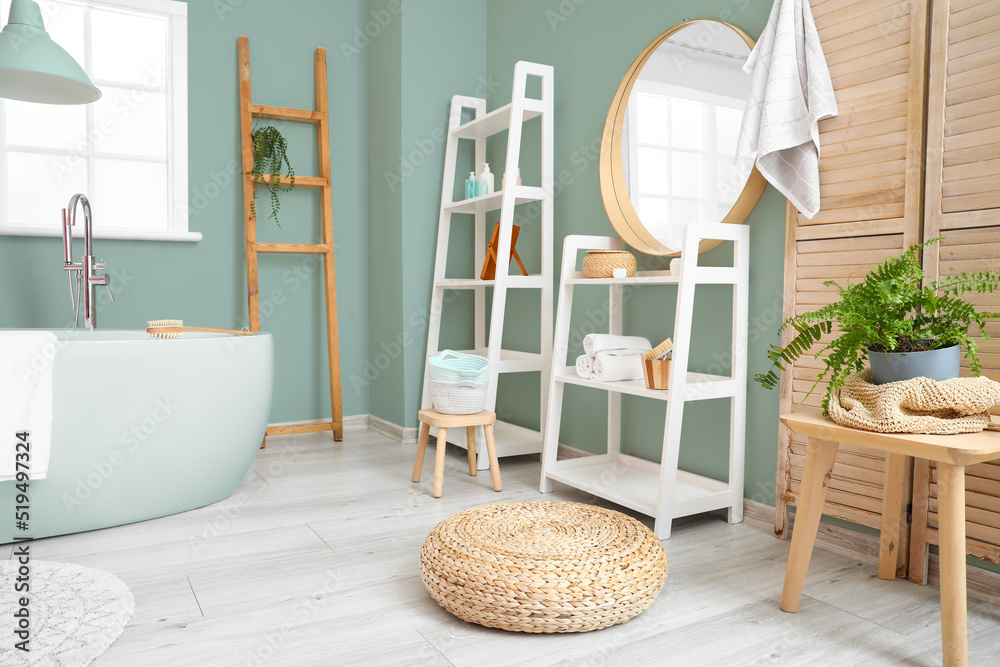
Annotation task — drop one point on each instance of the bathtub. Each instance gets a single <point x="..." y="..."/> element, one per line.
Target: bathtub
<point x="143" y="428"/>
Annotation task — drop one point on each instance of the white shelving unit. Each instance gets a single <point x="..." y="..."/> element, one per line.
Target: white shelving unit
<point x="511" y="439"/>
<point x="659" y="490"/>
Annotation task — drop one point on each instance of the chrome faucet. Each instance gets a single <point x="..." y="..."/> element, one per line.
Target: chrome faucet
<point x="87" y="272"/>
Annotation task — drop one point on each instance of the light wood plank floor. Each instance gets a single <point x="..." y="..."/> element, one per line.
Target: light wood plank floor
<point x="314" y="562"/>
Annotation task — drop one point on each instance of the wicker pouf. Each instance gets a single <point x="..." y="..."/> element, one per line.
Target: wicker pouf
<point x="543" y="566"/>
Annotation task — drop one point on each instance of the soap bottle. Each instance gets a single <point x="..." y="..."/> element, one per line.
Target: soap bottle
<point x="486" y="183"/>
<point x="471" y="186"/>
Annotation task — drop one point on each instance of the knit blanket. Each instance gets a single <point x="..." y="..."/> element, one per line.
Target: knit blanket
<point x="920" y="405"/>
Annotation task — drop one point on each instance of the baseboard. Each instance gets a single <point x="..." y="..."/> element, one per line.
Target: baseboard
<point x="401" y="434"/>
<point x="982" y="584"/>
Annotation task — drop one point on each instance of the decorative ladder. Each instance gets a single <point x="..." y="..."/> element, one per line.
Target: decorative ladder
<point x="249" y="111"/>
<point x="510" y="439"/>
<point x="658" y="490"/>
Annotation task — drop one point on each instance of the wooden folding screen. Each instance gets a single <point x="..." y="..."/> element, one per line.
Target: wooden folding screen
<point x="871" y="174"/>
<point x="963" y="206"/>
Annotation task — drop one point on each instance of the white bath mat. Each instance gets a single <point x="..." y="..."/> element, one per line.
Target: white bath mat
<point x="75" y="614"/>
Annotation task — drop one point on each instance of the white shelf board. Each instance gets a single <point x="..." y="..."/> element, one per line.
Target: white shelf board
<point x="510" y="439"/>
<point x="640" y="278"/>
<point x="700" y="386"/>
<point x="497" y="120"/>
<point x="635" y="484"/>
<point x="523" y="194"/>
<point x="512" y="361"/>
<point x="513" y="282"/>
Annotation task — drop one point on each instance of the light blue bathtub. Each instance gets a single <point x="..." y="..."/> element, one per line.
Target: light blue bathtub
<point x="143" y="428"/>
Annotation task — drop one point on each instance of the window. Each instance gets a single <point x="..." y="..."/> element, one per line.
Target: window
<point x="681" y="151"/>
<point x="128" y="151"/>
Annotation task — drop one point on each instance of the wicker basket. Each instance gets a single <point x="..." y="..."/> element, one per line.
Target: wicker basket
<point x="601" y="263"/>
<point x="452" y="366"/>
<point x="543" y="566"/>
<point x="459" y="398"/>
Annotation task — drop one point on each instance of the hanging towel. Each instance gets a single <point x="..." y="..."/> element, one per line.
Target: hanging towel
<point x="26" y="362"/>
<point x="615" y="346"/>
<point x="585" y="366"/>
<point x="790" y="93"/>
<point x="615" y="369"/>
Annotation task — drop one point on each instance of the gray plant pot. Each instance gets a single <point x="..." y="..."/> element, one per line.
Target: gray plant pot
<point x="939" y="364"/>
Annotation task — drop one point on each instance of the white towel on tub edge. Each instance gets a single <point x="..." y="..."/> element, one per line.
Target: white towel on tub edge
<point x="27" y="359"/>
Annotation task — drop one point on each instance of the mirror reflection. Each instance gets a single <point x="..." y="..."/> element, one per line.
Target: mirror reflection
<point x="680" y="130"/>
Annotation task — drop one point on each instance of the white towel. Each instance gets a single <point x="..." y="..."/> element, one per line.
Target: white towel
<point x="615" y="346"/>
<point x="790" y="93"/>
<point x="585" y="366"/>
<point x="615" y="369"/>
<point x="26" y="362"/>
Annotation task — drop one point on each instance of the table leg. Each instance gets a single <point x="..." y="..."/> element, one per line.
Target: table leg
<point x="470" y="443"/>
<point x="951" y="534"/>
<point x="820" y="455"/>
<point x="491" y="451"/>
<point x="892" y="514"/>
<point x="418" y="464"/>
<point x="439" y="461"/>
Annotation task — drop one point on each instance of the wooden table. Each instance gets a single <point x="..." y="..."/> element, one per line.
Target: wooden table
<point x="951" y="452"/>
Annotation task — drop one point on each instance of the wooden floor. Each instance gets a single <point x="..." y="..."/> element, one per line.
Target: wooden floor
<point x="314" y="562"/>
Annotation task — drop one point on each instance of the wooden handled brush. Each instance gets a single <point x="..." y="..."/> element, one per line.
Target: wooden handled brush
<point x="174" y="329"/>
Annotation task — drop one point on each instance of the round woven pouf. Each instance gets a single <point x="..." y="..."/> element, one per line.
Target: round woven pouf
<point x="543" y="566"/>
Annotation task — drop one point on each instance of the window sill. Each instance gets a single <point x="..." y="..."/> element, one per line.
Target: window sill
<point x="119" y="234"/>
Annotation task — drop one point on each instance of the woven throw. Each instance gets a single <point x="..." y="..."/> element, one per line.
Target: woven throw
<point x="543" y="566"/>
<point x="920" y="405"/>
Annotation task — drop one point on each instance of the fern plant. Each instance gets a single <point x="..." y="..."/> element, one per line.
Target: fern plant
<point x="270" y="155"/>
<point x="891" y="310"/>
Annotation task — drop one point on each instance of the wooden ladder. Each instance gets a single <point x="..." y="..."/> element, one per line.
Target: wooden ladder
<point x="249" y="111"/>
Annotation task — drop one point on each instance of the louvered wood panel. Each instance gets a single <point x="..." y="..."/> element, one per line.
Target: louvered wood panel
<point x="871" y="174"/>
<point x="962" y="205"/>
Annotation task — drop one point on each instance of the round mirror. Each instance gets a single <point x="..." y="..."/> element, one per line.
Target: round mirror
<point x="668" y="154"/>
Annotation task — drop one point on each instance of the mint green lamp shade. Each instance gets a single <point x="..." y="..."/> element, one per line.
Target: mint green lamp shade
<point x="33" y="68"/>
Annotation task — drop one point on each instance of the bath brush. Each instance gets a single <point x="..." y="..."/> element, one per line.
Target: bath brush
<point x="174" y="328"/>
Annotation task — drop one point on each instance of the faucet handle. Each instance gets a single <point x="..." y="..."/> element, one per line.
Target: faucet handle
<point x="100" y="266"/>
<point x="111" y="294"/>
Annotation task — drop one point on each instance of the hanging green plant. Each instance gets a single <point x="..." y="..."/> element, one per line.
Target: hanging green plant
<point x="270" y="152"/>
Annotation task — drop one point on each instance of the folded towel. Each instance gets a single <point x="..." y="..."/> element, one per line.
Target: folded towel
<point x="585" y="366"/>
<point x="616" y="346"/>
<point x="615" y="369"/>
<point x="790" y="93"/>
<point x="26" y="362"/>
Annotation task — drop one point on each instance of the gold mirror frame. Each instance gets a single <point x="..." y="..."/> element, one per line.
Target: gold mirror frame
<point x="614" y="189"/>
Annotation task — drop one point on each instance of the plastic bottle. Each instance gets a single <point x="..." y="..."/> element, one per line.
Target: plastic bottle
<point x="471" y="186"/>
<point x="486" y="183"/>
<point x="517" y="171"/>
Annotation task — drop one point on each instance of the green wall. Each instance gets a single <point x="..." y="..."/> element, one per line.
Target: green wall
<point x="591" y="44"/>
<point x="434" y="50"/>
<point x="204" y="283"/>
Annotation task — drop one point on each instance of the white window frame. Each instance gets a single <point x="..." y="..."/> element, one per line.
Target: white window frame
<point x="710" y="198"/>
<point x="177" y="136"/>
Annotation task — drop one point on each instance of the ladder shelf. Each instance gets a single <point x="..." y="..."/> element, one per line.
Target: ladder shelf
<point x="659" y="490"/>
<point x="249" y="111"/>
<point x="511" y="439"/>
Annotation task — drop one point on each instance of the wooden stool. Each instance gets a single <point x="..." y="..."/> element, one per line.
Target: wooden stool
<point x="430" y="418"/>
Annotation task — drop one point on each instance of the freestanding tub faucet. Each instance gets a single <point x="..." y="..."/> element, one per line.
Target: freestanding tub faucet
<point x="87" y="272"/>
